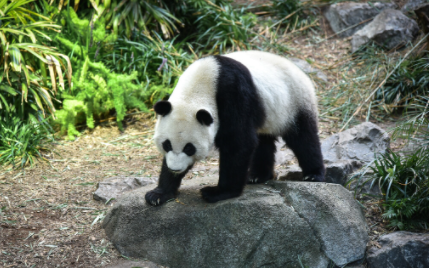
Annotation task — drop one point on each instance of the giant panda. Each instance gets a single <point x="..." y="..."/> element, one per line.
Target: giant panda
<point x="238" y="103"/>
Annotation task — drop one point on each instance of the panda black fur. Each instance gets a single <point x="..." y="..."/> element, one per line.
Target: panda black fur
<point x="239" y="103"/>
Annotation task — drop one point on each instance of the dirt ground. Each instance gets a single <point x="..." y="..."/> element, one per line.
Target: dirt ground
<point x="48" y="217"/>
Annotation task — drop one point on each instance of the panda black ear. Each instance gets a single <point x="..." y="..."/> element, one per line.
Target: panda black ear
<point x="162" y="107"/>
<point x="204" y="117"/>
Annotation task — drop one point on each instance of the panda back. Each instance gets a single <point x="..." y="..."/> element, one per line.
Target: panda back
<point x="282" y="87"/>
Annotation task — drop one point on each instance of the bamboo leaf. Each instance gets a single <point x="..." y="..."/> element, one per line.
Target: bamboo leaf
<point x="52" y="72"/>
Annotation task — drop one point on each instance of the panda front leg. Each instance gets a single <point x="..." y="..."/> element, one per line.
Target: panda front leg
<point x="168" y="184"/>
<point x="235" y="154"/>
<point x="262" y="166"/>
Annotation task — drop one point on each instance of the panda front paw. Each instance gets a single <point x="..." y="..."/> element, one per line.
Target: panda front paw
<point x="213" y="194"/>
<point x="157" y="197"/>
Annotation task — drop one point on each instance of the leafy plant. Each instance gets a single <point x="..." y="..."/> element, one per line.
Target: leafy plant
<point x="158" y="63"/>
<point x="410" y="79"/>
<point x="215" y="25"/>
<point x="124" y="16"/>
<point x="404" y="180"/>
<point x="26" y="64"/>
<point x="21" y="141"/>
<point x="96" y="90"/>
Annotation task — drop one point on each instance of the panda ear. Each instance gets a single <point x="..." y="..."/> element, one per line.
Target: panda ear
<point x="204" y="117"/>
<point x="162" y="107"/>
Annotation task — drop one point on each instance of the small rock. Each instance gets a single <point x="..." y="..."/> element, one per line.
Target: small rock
<point x="308" y="69"/>
<point x="359" y="143"/>
<point x="291" y="173"/>
<point x="283" y="155"/>
<point x="116" y="186"/>
<point x="400" y="250"/>
<point x="335" y="173"/>
<point x="412" y="5"/>
<point x="338" y="172"/>
<point x="345" y="15"/>
<point x="390" y="29"/>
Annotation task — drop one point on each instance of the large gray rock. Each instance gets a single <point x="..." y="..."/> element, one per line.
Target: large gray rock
<point x="358" y="143"/>
<point x="271" y="225"/>
<point x="390" y="29"/>
<point x="400" y="250"/>
<point x="112" y="188"/>
<point x="345" y="15"/>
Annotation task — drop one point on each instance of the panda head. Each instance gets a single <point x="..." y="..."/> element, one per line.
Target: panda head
<point x="183" y="136"/>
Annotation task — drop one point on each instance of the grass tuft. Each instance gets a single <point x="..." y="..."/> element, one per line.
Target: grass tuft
<point x="21" y="141"/>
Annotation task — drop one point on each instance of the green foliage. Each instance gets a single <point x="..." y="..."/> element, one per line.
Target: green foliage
<point x="21" y="141"/>
<point x="96" y="90"/>
<point x="410" y="79"/>
<point x="215" y="25"/>
<point x="292" y="9"/>
<point x="145" y="56"/>
<point x="26" y="64"/>
<point x="404" y="180"/>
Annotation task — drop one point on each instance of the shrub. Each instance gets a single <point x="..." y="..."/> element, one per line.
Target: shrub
<point x="410" y="79"/>
<point x="158" y="64"/>
<point x="21" y="141"/>
<point x="404" y="180"/>
<point x="96" y="90"/>
<point x="28" y="69"/>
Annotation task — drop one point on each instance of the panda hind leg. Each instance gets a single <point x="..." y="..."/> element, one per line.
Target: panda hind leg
<point x="304" y="141"/>
<point x="262" y="165"/>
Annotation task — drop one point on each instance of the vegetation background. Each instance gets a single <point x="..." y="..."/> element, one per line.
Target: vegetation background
<point x="78" y="80"/>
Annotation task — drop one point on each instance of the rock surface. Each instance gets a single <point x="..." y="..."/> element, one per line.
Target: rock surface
<point x="347" y="14"/>
<point x="413" y="5"/>
<point x="400" y="250"/>
<point x="114" y="187"/>
<point x="358" y="143"/>
<point x="390" y="29"/>
<point x="268" y="226"/>
<point x="133" y="264"/>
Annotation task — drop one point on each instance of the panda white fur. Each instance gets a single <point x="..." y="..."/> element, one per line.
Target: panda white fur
<point x="239" y="103"/>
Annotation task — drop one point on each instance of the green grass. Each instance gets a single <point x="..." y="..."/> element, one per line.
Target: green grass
<point x="21" y="142"/>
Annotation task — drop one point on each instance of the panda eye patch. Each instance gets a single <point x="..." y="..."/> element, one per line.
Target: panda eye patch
<point x="189" y="149"/>
<point x="166" y="145"/>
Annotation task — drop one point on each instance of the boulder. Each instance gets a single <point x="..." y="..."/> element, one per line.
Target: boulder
<point x="359" y="143"/>
<point x="400" y="250"/>
<point x="112" y="188"/>
<point x="342" y="16"/>
<point x="277" y="224"/>
<point x="390" y="29"/>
